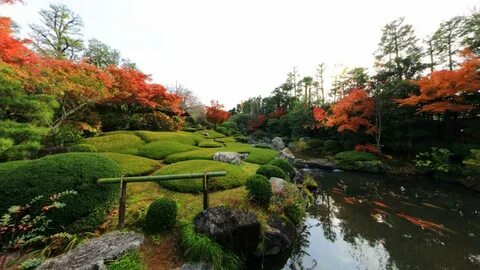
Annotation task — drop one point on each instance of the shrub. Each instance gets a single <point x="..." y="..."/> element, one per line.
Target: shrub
<point x="21" y="181"/>
<point x="295" y="212"/>
<point x="66" y="135"/>
<point x="161" y="215"/>
<point x="222" y="130"/>
<point x="263" y="146"/>
<point x="351" y="156"/>
<point x="209" y="144"/>
<point x="272" y="171"/>
<point x="164" y="148"/>
<point x="330" y="146"/>
<point x="200" y="248"/>
<point x="438" y="160"/>
<point x="259" y="135"/>
<point x="83" y="147"/>
<point x="259" y="189"/>
<point x="285" y="166"/>
<point x="241" y="139"/>
<point x="28" y="225"/>
<point x="310" y="183"/>
<point x="30" y="264"/>
<point x="20" y="140"/>
<point x="369" y="148"/>
<point x="210" y="134"/>
<point x="315" y="144"/>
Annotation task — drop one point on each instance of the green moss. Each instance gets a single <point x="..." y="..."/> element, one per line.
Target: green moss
<point x="131" y="165"/>
<point x="236" y="175"/>
<point x="256" y="155"/>
<point x="355" y="156"/>
<point x="164" y="148"/>
<point x="129" y="261"/>
<point x="117" y="142"/>
<point x="177" y="136"/>
<point x="83" y="147"/>
<point x="210" y="134"/>
<point x="22" y="181"/>
<point x="209" y="144"/>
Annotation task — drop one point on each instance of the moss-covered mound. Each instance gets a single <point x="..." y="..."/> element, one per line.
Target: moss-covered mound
<point x="162" y="149"/>
<point x="131" y="165"/>
<point x="22" y="181"/>
<point x="236" y="175"/>
<point x="209" y="144"/>
<point x="178" y="136"/>
<point x="116" y="142"/>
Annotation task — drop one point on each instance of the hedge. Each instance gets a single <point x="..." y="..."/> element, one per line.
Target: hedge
<point x="22" y="181"/>
<point x="272" y="171"/>
<point x="355" y="156"/>
<point x="285" y="166"/>
<point x="116" y="142"/>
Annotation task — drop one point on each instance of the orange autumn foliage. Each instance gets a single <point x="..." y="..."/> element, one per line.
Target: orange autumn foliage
<point x="256" y="122"/>
<point x="279" y="112"/>
<point x="215" y="113"/>
<point x="353" y="112"/>
<point x="370" y="148"/>
<point x="12" y="50"/>
<point x="446" y="90"/>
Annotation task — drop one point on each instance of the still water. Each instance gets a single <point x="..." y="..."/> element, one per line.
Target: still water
<point x="363" y="221"/>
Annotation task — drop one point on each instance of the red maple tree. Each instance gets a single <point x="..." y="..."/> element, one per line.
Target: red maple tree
<point x="448" y="90"/>
<point x="256" y="122"/>
<point x="13" y="50"/>
<point x="352" y="113"/>
<point x="279" y="112"/>
<point x="215" y="113"/>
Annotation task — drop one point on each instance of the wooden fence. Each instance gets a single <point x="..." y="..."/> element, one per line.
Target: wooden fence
<point x="156" y="178"/>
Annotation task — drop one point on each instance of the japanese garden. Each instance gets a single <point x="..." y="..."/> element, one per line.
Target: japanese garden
<point x="104" y="166"/>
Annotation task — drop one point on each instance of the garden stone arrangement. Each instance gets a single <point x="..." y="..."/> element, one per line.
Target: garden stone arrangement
<point x="94" y="254"/>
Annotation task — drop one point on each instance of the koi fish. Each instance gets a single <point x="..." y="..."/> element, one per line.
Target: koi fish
<point x="380" y="204"/>
<point x="349" y="200"/>
<point x="425" y="224"/>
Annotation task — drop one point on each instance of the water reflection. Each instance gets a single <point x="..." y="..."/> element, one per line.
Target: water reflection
<point x="367" y="222"/>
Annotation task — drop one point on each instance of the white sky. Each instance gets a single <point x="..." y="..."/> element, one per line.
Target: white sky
<point x="232" y="50"/>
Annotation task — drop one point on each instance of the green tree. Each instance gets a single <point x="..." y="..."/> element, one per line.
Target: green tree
<point x="58" y="35"/>
<point x="471" y="32"/>
<point x="447" y="40"/>
<point x="398" y="51"/>
<point x="100" y="54"/>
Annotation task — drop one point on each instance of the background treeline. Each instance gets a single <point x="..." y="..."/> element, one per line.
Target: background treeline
<point x="422" y="92"/>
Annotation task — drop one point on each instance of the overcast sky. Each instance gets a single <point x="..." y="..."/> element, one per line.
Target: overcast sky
<point x="232" y="50"/>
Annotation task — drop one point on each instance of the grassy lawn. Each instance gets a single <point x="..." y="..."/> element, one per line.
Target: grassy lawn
<point x="236" y="175"/>
<point x="178" y="136"/>
<point x="134" y="165"/>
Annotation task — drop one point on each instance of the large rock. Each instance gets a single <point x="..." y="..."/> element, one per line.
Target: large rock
<point x="230" y="157"/>
<point x="278" y="185"/>
<point x="279" y="236"/>
<point x="233" y="229"/>
<point x="93" y="254"/>
<point x="277" y="143"/>
<point x="285" y="153"/>
<point x="317" y="163"/>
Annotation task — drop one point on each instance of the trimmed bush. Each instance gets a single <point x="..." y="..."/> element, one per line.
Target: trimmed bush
<point x="131" y="165"/>
<point x="209" y="144"/>
<point x="189" y="129"/>
<point x="236" y="175"/>
<point x="259" y="189"/>
<point x="272" y="171"/>
<point x="119" y="142"/>
<point x="83" y="147"/>
<point x="350" y="156"/>
<point x="22" y="181"/>
<point x="162" y="149"/>
<point x="285" y="166"/>
<point x="161" y="215"/>
<point x="241" y="139"/>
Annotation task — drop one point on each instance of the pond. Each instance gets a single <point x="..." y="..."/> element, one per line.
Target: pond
<point x="363" y="221"/>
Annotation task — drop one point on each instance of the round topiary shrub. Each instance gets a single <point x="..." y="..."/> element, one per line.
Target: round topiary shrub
<point x="259" y="189"/>
<point x="284" y="165"/>
<point x="272" y="171"/>
<point x="161" y="215"/>
<point x="22" y="181"/>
